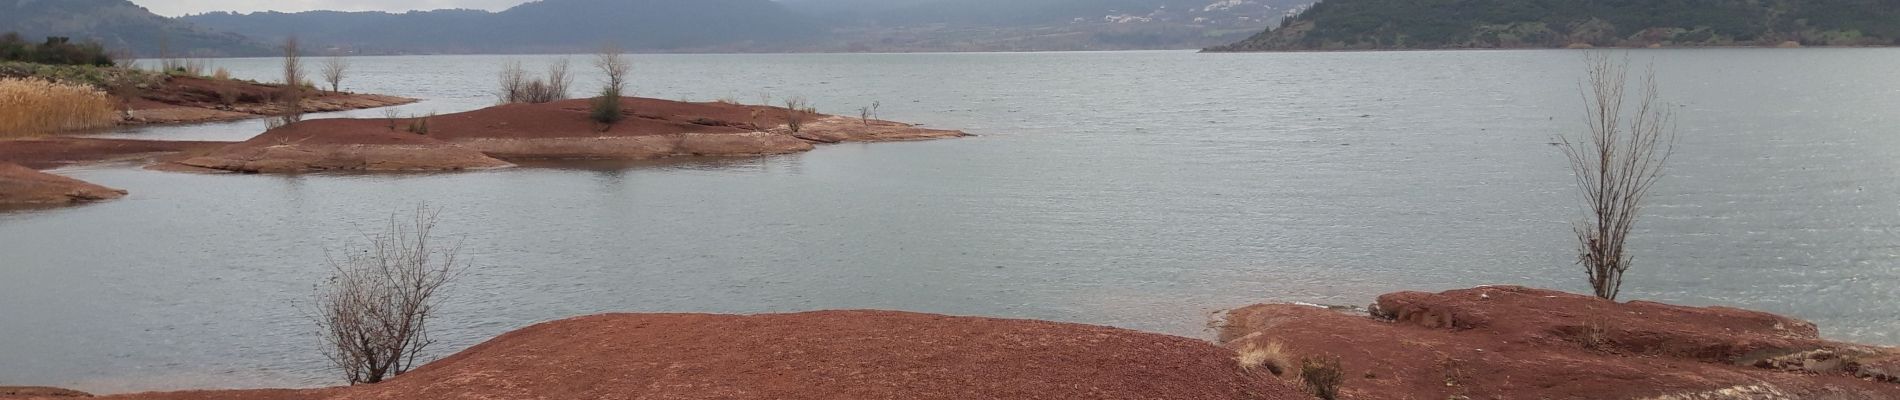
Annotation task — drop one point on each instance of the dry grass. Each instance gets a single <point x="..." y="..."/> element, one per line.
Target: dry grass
<point x="1272" y="356"/>
<point x="33" y="107"/>
<point x="1322" y="376"/>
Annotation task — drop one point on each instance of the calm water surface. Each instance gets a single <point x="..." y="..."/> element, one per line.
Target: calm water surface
<point x="1140" y="190"/>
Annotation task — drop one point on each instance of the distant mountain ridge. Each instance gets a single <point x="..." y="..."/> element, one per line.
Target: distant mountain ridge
<point x="1437" y="24"/>
<point x="541" y="26"/>
<point x="120" y="25"/>
<point x="773" y="26"/>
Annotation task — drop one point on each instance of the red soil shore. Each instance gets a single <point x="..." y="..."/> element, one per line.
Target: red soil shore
<point x="22" y="187"/>
<point x="560" y="130"/>
<point x="1518" y="343"/>
<point x="816" y="355"/>
<point x="186" y="99"/>
<point x="1499" y="342"/>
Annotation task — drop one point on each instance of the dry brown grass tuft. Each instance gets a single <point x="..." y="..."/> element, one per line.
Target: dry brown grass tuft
<point x="1273" y="357"/>
<point x="31" y="107"/>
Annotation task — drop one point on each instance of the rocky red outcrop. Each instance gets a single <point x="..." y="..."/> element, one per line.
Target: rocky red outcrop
<point x="559" y="130"/>
<point x="1507" y="342"/>
<point x="815" y="355"/>
<point x="25" y="187"/>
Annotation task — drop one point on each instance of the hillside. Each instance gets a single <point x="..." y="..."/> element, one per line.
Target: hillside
<point x="1016" y="25"/>
<point x="551" y="26"/>
<point x="1437" y="24"/>
<point x="537" y="27"/>
<point x="121" y="26"/>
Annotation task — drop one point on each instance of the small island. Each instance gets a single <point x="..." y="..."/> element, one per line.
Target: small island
<point x="556" y="130"/>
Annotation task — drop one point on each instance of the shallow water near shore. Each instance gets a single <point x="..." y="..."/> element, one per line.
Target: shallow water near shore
<point x="1142" y="190"/>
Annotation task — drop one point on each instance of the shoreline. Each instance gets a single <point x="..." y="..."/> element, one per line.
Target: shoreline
<point x="1483" y="342"/>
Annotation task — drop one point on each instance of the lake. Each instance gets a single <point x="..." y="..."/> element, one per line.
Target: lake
<point x="1143" y="190"/>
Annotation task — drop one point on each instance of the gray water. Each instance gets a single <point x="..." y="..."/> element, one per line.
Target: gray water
<point x="1142" y="190"/>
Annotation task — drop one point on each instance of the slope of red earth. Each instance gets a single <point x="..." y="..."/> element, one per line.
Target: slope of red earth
<point x="55" y="152"/>
<point x="815" y="355"/>
<point x="1506" y="342"/>
<point x="560" y="130"/>
<point x="186" y="99"/>
<point x="22" y="187"/>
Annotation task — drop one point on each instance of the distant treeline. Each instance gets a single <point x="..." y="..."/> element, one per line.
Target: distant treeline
<point x="1426" y="24"/>
<point x="55" y="50"/>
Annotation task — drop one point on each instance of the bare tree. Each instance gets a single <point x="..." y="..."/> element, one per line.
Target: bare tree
<point x="1615" y="165"/>
<point x="293" y="62"/>
<point x="514" y="81"/>
<point x="615" y="66"/>
<point x="375" y="309"/>
<point x="334" y="70"/>
<point x="559" y="79"/>
<point x="291" y="97"/>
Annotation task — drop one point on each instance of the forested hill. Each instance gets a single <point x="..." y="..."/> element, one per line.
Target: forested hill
<point x="120" y="25"/>
<point x="1438" y="24"/>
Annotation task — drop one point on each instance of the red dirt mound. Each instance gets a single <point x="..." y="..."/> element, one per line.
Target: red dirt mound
<point x="55" y="152"/>
<point x="342" y="145"/>
<point x="819" y="355"/>
<point x="185" y="99"/>
<point x="560" y="130"/>
<point x="25" y="187"/>
<point x="1519" y="343"/>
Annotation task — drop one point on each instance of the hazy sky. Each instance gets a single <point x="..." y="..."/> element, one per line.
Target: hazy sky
<point x="173" y="8"/>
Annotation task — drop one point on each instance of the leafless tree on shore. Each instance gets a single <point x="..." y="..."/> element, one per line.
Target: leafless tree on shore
<point x="613" y="63"/>
<point x="375" y="309"/>
<point x="1615" y="165"/>
<point x="335" y="68"/>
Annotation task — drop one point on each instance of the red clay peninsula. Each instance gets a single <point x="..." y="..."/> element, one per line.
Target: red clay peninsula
<point x="191" y="99"/>
<point x="815" y="355"/>
<point x="490" y="137"/>
<point x="1507" y="342"/>
<point x="1498" y="342"/>
<point x="25" y="187"/>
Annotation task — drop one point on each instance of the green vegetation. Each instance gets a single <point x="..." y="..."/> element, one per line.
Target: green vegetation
<point x="121" y="26"/>
<point x="1433" y="24"/>
<point x="55" y="50"/>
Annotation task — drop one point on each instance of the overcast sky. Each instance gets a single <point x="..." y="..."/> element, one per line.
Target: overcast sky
<point x="173" y="8"/>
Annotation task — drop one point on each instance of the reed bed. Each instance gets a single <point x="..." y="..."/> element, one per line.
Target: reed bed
<point x="31" y="107"/>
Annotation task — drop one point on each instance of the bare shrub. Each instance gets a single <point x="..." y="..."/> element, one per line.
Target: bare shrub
<point x="606" y="108"/>
<point x="221" y="74"/>
<point x="1322" y="376"/>
<point x="335" y="68"/>
<point x="559" y="80"/>
<point x="518" y="87"/>
<point x="1615" y="164"/>
<point x="391" y="115"/>
<point x="796" y="110"/>
<point x="420" y="125"/>
<point x="375" y="309"/>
